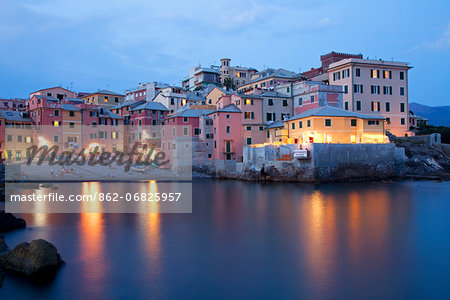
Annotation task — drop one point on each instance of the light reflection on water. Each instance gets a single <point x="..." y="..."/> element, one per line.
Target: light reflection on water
<point x="255" y="240"/>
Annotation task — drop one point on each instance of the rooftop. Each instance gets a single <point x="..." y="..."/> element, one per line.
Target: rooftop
<point x="329" y="111"/>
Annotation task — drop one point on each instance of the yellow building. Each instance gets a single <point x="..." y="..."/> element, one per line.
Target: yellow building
<point x="334" y="125"/>
<point x="275" y="132"/>
<point x="72" y="127"/>
<point x="104" y="98"/>
<point x="214" y="94"/>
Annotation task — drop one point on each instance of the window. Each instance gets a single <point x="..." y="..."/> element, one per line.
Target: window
<point x="19" y="138"/>
<point x="402" y="75"/>
<point x="261" y="128"/>
<point x="185" y="119"/>
<point x="388" y="106"/>
<point x="9" y="138"/>
<point x="293" y="125"/>
<point x="312" y="99"/>
<point x="270" y="116"/>
<point x="388" y="120"/>
<point x="114" y="135"/>
<point x="328" y="122"/>
<point x="197" y="131"/>
<point x="71" y="124"/>
<point x="285" y="102"/>
<point x="215" y="144"/>
<point x="249" y="115"/>
<point x="228" y="116"/>
<point x="402" y="121"/>
<point x="308" y="123"/>
<point x="106" y="98"/>
<point x="268" y="134"/>
<point x="249" y="128"/>
<point x="71" y="114"/>
<point x="345" y="73"/>
<point x="375" y="106"/>
<point x="353" y="122"/>
<point x="387" y="90"/>
<point x="336" y="76"/>
<point x="185" y="131"/>
<point x="358" y="105"/>
<point x="373" y="122"/>
<point x="249" y="141"/>
<point x="55" y="139"/>
<point x="375" y="89"/>
<point x="300" y="101"/>
<point x="387" y="74"/>
<point x="55" y="123"/>
<point x="300" y="124"/>
<point x="270" y="102"/>
<point x="345" y="89"/>
<point x="375" y="73"/>
<point x="358" y="88"/>
<point x="56" y="113"/>
<point x="249" y="101"/>
<point x="173" y="131"/>
<point x="346" y="105"/>
<point x="116" y="99"/>
<point x="402" y="91"/>
<point x="358" y="72"/>
<point x="402" y="107"/>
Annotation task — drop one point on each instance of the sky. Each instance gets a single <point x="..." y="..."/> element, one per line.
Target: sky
<point x="87" y="45"/>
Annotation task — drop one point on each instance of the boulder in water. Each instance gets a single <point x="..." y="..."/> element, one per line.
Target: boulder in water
<point x="36" y="258"/>
<point x="9" y="222"/>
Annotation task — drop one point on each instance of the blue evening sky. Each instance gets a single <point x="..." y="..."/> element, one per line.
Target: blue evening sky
<point x="93" y="44"/>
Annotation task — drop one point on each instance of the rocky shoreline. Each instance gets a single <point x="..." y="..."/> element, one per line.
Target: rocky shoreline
<point x="423" y="162"/>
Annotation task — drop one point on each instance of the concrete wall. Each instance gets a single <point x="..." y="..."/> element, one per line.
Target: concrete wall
<point x="430" y="139"/>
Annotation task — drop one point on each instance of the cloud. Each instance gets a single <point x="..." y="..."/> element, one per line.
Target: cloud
<point x="441" y="43"/>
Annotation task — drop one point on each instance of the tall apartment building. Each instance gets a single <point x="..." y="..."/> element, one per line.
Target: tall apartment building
<point x="375" y="87"/>
<point x="239" y="75"/>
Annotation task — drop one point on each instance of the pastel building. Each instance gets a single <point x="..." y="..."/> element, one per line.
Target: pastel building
<point x="334" y="125"/>
<point x="144" y="91"/>
<point x="104" y="98"/>
<point x="173" y="98"/>
<point x="200" y="77"/>
<point x="268" y="79"/>
<point x="238" y="75"/>
<point x="55" y="92"/>
<point x="227" y="130"/>
<point x="375" y="87"/>
<point x="276" y="106"/>
<point x="312" y="94"/>
<point x="16" y="135"/>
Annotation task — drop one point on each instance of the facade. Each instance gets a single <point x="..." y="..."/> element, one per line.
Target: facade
<point x="334" y="125"/>
<point x="268" y="79"/>
<point x="144" y="91"/>
<point x="375" y="87"/>
<point x="275" y="133"/>
<point x="55" y="92"/>
<point x="312" y="94"/>
<point x="173" y="98"/>
<point x="200" y="77"/>
<point x="238" y="75"/>
<point x="16" y="135"/>
<point x="276" y="106"/>
<point x="104" y="98"/>
<point x="13" y="104"/>
<point x="326" y="60"/>
<point x="227" y="130"/>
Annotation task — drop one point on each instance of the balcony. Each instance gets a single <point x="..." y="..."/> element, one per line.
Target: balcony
<point x="228" y="150"/>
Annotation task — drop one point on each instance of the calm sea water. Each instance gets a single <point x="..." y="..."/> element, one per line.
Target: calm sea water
<point x="253" y="240"/>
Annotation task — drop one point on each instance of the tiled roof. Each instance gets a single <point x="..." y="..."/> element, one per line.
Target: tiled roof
<point x="193" y="113"/>
<point x="129" y="103"/>
<point x="12" y="115"/>
<point x="45" y="97"/>
<point x="276" y="124"/>
<point x="70" y="107"/>
<point x="151" y="106"/>
<point x="105" y="92"/>
<point x="274" y="94"/>
<point x="329" y="111"/>
<point x="109" y="113"/>
<point x="228" y="108"/>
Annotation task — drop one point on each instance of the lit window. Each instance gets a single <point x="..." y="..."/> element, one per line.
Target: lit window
<point x="56" y="123"/>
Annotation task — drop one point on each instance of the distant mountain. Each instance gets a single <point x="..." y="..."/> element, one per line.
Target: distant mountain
<point x="436" y="115"/>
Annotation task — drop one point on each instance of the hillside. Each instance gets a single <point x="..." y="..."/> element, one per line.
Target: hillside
<point x="437" y="115"/>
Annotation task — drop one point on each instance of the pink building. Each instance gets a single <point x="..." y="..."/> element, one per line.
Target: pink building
<point x="227" y="130"/>
<point x="375" y="87"/>
<point x="55" y="92"/>
<point x="313" y="94"/>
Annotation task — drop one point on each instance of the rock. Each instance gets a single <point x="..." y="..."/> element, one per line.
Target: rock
<point x="36" y="258"/>
<point x="2" y="277"/>
<point x="3" y="245"/>
<point x="9" y="222"/>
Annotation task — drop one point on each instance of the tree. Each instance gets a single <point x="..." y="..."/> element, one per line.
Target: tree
<point x="229" y="84"/>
